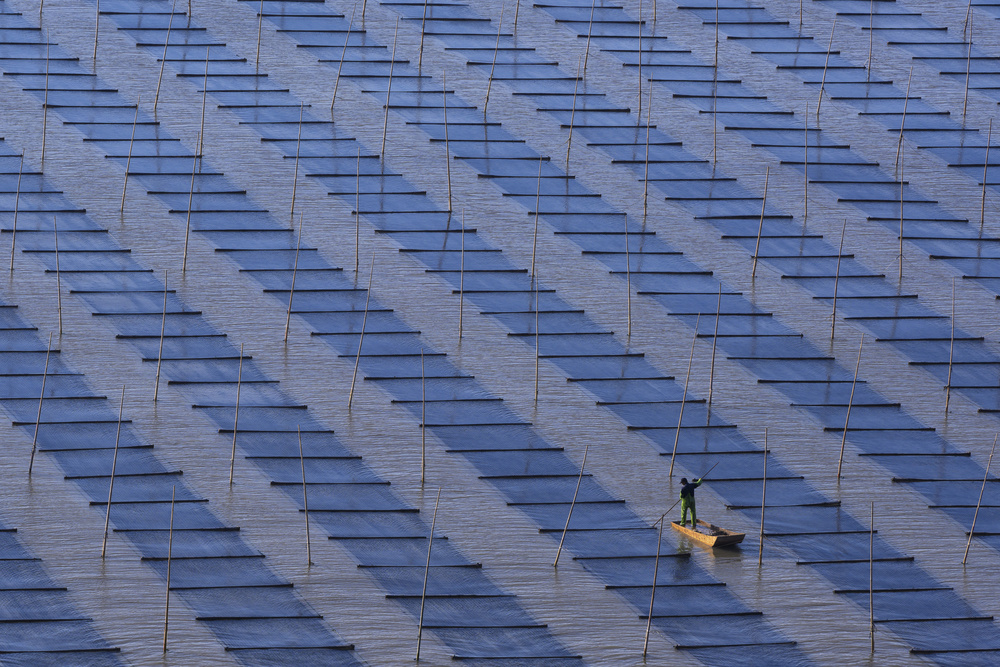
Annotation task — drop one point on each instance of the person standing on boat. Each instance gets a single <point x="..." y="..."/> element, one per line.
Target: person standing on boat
<point x="687" y="501"/>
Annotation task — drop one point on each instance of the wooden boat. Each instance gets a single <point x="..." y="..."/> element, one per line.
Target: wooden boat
<point x="713" y="536"/>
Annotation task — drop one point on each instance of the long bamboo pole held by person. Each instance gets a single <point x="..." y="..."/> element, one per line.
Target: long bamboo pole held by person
<point x="986" y="474"/>
<point x="715" y="341"/>
<point x="652" y="593"/>
<point x="680" y="416"/>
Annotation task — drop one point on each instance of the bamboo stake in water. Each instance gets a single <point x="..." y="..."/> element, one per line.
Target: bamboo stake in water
<point x="447" y="142"/>
<point x="826" y="65"/>
<point x="163" y="60"/>
<point x="295" y="271"/>
<point x="537" y="341"/>
<point x="423" y="23"/>
<point x="45" y="99"/>
<point x="388" y="93"/>
<point x="461" y="280"/>
<point x="305" y="497"/>
<point x="900" y="164"/>
<point x="423" y="418"/>
<point x="836" y="281"/>
<point x="517" y="10"/>
<point x="850" y="404"/>
<point x="652" y="593"/>
<point x="638" y="115"/>
<point x="968" y="70"/>
<point x="260" y="25"/>
<point x="645" y="173"/>
<point x="986" y="163"/>
<point x="163" y="328"/>
<point x="357" y="218"/>
<point x="55" y="240"/>
<point x="805" y="170"/>
<point x="902" y="124"/>
<point x="590" y="32"/>
<point x="295" y="174"/>
<point x="572" y="504"/>
<point x="17" y="206"/>
<point x="427" y="570"/>
<point x="871" y="39"/>
<point x="951" y="351"/>
<point x="343" y="54"/>
<point x="131" y="141"/>
<point x="97" y="25"/>
<point x="715" y="91"/>
<point x="41" y="398"/>
<point x="715" y="341"/>
<point x="114" y="467"/>
<point x="760" y="227"/>
<point x="763" y="504"/>
<point x="170" y="558"/>
<point x="628" y="284"/>
<point x="496" y="48"/>
<point x="572" y="116"/>
<point x="538" y="194"/>
<point x="986" y="474"/>
<point x="236" y="416"/>
<point x="187" y="228"/>
<point x="680" y="416"/>
<point x="871" y="579"/>
<point x="364" y="324"/>
<point x="204" y="103"/>
<point x="902" y="157"/>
